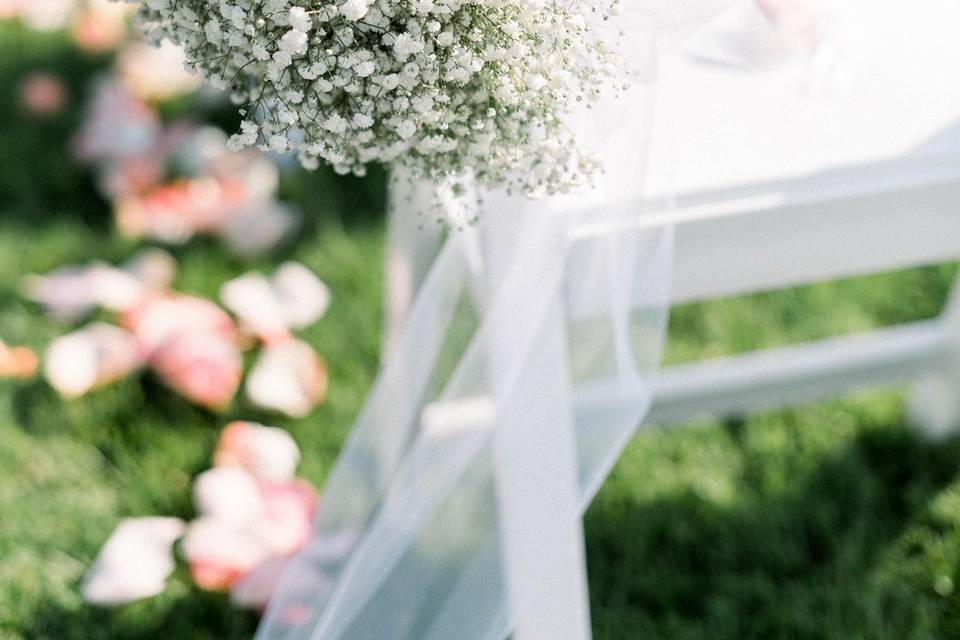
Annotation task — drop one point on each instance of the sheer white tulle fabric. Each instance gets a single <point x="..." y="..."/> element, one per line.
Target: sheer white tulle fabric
<point x="500" y="408"/>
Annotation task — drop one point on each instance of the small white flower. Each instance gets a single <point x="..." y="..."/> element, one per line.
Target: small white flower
<point x="365" y="69"/>
<point x="354" y="10"/>
<point x="300" y="20"/>
<point x="406" y="45"/>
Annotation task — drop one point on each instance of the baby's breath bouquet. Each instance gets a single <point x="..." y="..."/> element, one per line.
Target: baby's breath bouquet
<point x="444" y="88"/>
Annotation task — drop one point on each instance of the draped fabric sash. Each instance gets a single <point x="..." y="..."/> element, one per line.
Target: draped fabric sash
<point x="521" y="371"/>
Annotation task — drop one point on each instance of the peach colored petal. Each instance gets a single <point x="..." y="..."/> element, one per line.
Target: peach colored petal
<point x="220" y="552"/>
<point x="288" y="377"/>
<point x="204" y="367"/>
<point x="159" y="318"/>
<point x="43" y="94"/>
<point x="230" y="494"/>
<point x="134" y="563"/>
<point x="290" y="507"/>
<point x="96" y="355"/>
<point x="17" y="362"/>
<point x="259" y="226"/>
<point x="155" y="73"/>
<point x="252" y="299"/>
<point x="303" y="297"/>
<point x="267" y="453"/>
<point x="254" y="589"/>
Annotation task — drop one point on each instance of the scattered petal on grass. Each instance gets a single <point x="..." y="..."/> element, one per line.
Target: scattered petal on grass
<point x="134" y="563"/>
<point x="267" y="453"/>
<point x="17" y="362"/>
<point x="230" y="494"/>
<point x="91" y="357"/>
<point x="204" y="367"/>
<point x="288" y="377"/>
<point x="293" y="298"/>
<point x="43" y="94"/>
<point x="160" y="318"/>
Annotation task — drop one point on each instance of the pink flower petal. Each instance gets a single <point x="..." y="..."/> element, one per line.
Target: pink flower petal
<point x="293" y="298"/>
<point x="288" y="377"/>
<point x="220" y="552"/>
<point x="158" y="319"/>
<point x="268" y="453"/>
<point x="134" y="563"/>
<point x="204" y="368"/>
<point x="17" y="362"/>
<point x="303" y="297"/>
<point x="229" y="494"/>
<point x="96" y="355"/>
<point x="254" y="590"/>
<point x="290" y="508"/>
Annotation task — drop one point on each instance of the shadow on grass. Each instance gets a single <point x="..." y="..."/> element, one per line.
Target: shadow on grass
<point x="197" y="615"/>
<point x="804" y="563"/>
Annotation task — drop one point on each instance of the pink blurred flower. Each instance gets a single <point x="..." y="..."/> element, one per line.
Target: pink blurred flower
<point x="43" y="94"/>
<point x="17" y="362"/>
<point x="266" y="452"/>
<point x="288" y="377"/>
<point x="91" y="357"/>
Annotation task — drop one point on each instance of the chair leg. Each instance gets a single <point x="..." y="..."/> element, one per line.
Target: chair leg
<point x="934" y="405"/>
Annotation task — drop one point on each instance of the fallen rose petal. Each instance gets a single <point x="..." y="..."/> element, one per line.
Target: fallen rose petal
<point x="134" y="563"/>
<point x="155" y="73"/>
<point x="203" y="367"/>
<point x="43" y="94"/>
<point x="159" y="318"/>
<point x="252" y="299"/>
<point x="93" y="356"/>
<point x="267" y="453"/>
<point x="153" y="268"/>
<point x="254" y="590"/>
<point x="229" y="494"/>
<point x="67" y="293"/>
<point x="289" y="511"/>
<point x="114" y="289"/>
<point x="258" y="227"/>
<point x="17" y="362"/>
<point x="117" y="126"/>
<point x="304" y="298"/>
<point x="220" y="553"/>
<point x="72" y="292"/>
<point x="288" y="377"/>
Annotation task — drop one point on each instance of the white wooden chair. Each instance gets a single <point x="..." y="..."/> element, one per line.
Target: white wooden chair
<point x="776" y="189"/>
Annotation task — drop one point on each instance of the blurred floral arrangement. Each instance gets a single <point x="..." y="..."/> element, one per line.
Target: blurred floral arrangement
<point x="253" y="514"/>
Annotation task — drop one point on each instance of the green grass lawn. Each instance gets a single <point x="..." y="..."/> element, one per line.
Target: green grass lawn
<point x="830" y="521"/>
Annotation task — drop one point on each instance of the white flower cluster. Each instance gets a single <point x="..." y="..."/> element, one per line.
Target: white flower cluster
<point x="444" y="87"/>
